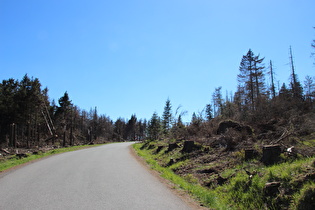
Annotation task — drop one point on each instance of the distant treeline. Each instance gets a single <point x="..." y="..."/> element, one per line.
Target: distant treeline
<point x="28" y="118"/>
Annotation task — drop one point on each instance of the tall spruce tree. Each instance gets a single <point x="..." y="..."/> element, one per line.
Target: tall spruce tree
<point x="142" y="127"/>
<point x="217" y="101"/>
<point x="131" y="128"/>
<point x="284" y="93"/>
<point x="63" y="116"/>
<point x="209" y="115"/>
<point x="167" y="117"/>
<point x="119" y="129"/>
<point x="154" y="127"/>
<point x="251" y="78"/>
<point x="64" y="103"/>
<point x="309" y="87"/>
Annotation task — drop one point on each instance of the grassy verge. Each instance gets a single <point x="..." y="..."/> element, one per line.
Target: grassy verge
<point x="295" y="179"/>
<point x="13" y="161"/>
<point x="296" y="182"/>
<point x="205" y="196"/>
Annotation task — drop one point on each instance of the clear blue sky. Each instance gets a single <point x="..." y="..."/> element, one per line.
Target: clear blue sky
<point x="128" y="56"/>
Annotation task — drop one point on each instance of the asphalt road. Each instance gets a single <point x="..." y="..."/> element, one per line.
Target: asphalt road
<point x="105" y="177"/>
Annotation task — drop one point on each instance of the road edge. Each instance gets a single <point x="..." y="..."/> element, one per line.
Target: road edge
<point x="184" y="196"/>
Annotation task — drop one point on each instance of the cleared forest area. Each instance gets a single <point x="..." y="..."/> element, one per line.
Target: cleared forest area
<point x="254" y="149"/>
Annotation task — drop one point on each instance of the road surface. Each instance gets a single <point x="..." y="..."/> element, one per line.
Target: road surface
<point x="104" y="177"/>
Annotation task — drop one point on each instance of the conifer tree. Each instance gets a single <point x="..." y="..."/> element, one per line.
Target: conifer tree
<point x="209" y="115"/>
<point x="131" y="128"/>
<point x="167" y="117"/>
<point x="284" y="93"/>
<point x="64" y="103"/>
<point x="63" y="116"/>
<point x="8" y="106"/>
<point x="309" y="87"/>
<point x="94" y="123"/>
<point x="119" y="128"/>
<point x="217" y="101"/>
<point x="154" y="127"/>
<point x="142" y="127"/>
<point x="251" y="78"/>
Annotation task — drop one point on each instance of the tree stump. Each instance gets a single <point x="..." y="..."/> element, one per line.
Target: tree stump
<point x="250" y="154"/>
<point x="21" y="155"/>
<point x="271" y="154"/>
<point x="151" y="146"/>
<point x="172" y="146"/>
<point x="188" y="146"/>
<point x="171" y="162"/>
<point x="271" y="188"/>
<point x="158" y="149"/>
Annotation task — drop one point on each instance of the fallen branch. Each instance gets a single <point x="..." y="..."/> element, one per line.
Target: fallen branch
<point x="5" y="151"/>
<point x="284" y="135"/>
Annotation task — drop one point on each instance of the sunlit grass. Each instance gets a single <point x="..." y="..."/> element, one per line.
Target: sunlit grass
<point x="304" y="199"/>
<point x="244" y="192"/>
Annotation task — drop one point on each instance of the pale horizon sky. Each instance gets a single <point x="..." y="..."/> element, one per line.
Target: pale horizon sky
<point x="128" y="57"/>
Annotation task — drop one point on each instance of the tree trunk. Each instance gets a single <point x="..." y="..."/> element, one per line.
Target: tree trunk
<point x="12" y="139"/>
<point x="272" y="81"/>
<point x="28" y="135"/>
<point x="71" y="136"/>
<point x="64" y="139"/>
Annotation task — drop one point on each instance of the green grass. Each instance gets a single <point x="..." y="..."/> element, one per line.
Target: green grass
<point x="305" y="199"/>
<point x="310" y="143"/>
<point x="13" y="161"/>
<point x="242" y="193"/>
<point x="245" y="193"/>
